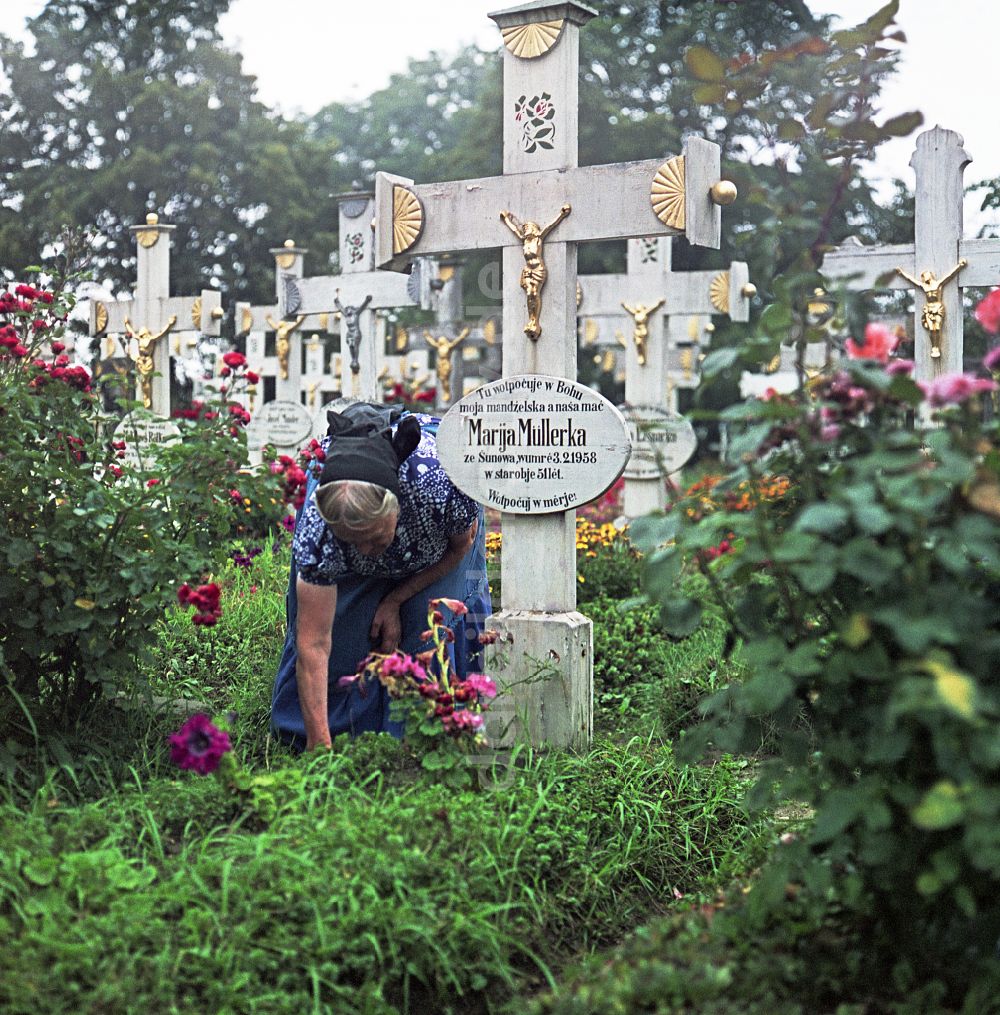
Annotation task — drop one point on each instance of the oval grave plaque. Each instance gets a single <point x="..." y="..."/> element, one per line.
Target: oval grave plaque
<point x="533" y="444"/>
<point x="286" y="425"/>
<point x="661" y="441"/>
<point x="142" y="430"/>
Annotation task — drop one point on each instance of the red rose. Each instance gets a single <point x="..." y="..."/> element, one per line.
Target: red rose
<point x="234" y="359"/>
<point x="252" y="378"/>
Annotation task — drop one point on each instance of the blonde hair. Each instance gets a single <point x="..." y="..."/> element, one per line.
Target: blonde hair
<point x="353" y="504"/>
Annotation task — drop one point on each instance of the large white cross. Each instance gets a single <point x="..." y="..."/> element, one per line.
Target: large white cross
<point x="654" y="305"/>
<point x="356" y="294"/>
<point x="554" y="205"/>
<point x="140" y="327"/>
<point x="938" y="249"/>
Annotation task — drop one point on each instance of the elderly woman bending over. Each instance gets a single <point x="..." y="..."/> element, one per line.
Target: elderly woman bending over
<point x="382" y="531"/>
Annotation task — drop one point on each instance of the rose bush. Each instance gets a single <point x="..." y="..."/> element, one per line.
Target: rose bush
<point x="96" y="541"/>
<point x="866" y="610"/>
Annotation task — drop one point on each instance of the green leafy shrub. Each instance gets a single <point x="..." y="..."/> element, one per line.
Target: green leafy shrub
<point x="873" y="643"/>
<point x="807" y="957"/>
<point x="643" y="676"/>
<point x="606" y="562"/>
<point x="232" y="664"/>
<point x="94" y="546"/>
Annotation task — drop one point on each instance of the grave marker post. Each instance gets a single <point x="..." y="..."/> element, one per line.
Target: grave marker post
<point x="538" y="211"/>
<point x="356" y="294"/>
<point x="937" y="265"/>
<point x="658" y="304"/>
<point x="152" y="315"/>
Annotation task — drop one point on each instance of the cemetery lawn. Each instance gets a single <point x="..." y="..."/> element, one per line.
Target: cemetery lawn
<point x="344" y="881"/>
<point x="619" y="881"/>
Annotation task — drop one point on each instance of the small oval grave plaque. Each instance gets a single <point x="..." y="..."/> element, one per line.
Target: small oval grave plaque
<point x="141" y="431"/>
<point x="533" y="444"/>
<point x="661" y="441"/>
<point x="286" y="425"/>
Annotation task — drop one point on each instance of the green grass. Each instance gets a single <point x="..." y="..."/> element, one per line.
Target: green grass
<point x="366" y="892"/>
<point x="644" y="679"/>
<point x="351" y="882"/>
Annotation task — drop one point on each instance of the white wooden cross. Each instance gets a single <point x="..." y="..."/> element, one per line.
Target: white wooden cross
<point x="655" y="306"/>
<point x="940" y="261"/>
<point x="552" y="206"/>
<point x="356" y="294"/>
<point x="447" y="336"/>
<point x="139" y="327"/>
<point x="283" y="370"/>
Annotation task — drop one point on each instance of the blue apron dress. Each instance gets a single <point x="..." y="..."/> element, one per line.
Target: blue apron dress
<point x="364" y="707"/>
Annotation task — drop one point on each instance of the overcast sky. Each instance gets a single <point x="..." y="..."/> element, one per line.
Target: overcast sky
<point x="306" y="53"/>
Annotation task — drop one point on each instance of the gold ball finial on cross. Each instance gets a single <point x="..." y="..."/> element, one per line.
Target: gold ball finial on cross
<point x="152" y="219"/>
<point x="289" y="243"/>
<point x="749" y="290"/>
<point x="723" y="192"/>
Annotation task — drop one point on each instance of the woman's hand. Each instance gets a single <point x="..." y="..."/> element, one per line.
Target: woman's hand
<point x="387" y="628"/>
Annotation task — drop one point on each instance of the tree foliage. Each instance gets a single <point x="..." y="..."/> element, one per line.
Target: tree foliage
<point x="135" y="106"/>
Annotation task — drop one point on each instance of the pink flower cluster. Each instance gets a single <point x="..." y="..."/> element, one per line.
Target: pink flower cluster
<point x="988" y="312"/>
<point x="295" y="475"/>
<point x="198" y="410"/>
<point x="458" y="704"/>
<point x="206" y="601"/>
<point x="954" y="389"/>
<point x="879" y="344"/>
<point x="199" y="745"/>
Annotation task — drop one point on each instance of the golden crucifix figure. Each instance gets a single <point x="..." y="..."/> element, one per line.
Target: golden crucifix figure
<point x="932" y="316"/>
<point x="144" y="355"/>
<point x="534" y="273"/>
<point x="687" y="363"/>
<point x="444" y="347"/>
<point x="282" y="346"/>
<point x="640" y="314"/>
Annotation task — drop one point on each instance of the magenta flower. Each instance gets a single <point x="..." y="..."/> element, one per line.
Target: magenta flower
<point x="988" y="312"/>
<point x="198" y="744"/>
<point x="482" y="685"/>
<point x="456" y="722"/>
<point x="991" y="361"/>
<point x="400" y="665"/>
<point x="879" y="343"/>
<point x="953" y="389"/>
<point x="899" y="366"/>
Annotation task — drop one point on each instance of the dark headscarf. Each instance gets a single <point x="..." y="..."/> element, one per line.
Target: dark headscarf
<point x="364" y="448"/>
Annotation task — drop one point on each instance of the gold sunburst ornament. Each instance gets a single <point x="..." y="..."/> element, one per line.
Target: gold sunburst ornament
<point x="407" y="219"/>
<point x="531" y="41"/>
<point x="718" y="292"/>
<point x="196" y="313"/>
<point x="667" y="193"/>
<point x="148" y="237"/>
<point x="100" y="318"/>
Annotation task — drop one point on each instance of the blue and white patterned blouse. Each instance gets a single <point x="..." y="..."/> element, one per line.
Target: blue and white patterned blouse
<point x="431" y="509"/>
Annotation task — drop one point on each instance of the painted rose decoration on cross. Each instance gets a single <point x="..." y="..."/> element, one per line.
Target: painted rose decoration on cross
<point x="535" y="116"/>
<point x="355" y="248"/>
